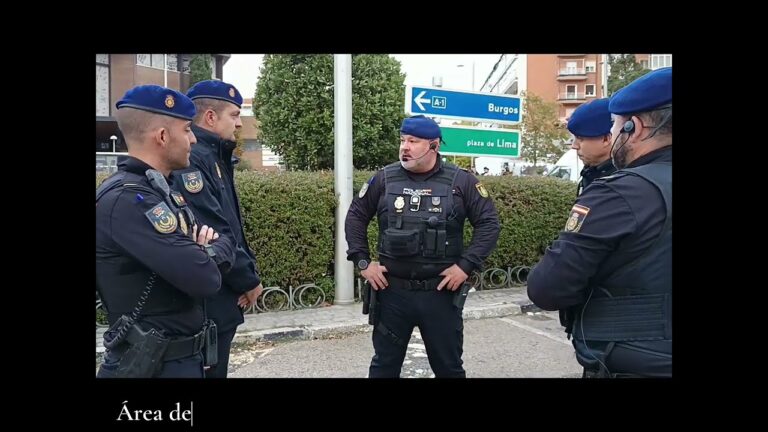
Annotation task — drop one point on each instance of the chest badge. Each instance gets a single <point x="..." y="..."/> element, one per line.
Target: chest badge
<point x="399" y="204"/>
<point x="193" y="181"/>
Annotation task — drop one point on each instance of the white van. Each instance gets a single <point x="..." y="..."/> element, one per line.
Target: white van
<point x="568" y="167"/>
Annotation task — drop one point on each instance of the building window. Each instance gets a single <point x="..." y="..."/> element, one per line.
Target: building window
<point x="143" y="60"/>
<point x="173" y="62"/>
<point x="590" y="66"/>
<point x="570" y="92"/>
<point x="644" y="64"/>
<point x="102" y="58"/>
<point x="252" y="145"/>
<point x="156" y="61"/>
<point x="660" y="61"/>
<point x="590" y="90"/>
<point x="185" y="64"/>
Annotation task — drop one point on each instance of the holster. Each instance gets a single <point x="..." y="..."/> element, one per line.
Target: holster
<point x="567" y="319"/>
<point x="144" y="356"/>
<point x="369" y="303"/>
<point x="460" y="296"/>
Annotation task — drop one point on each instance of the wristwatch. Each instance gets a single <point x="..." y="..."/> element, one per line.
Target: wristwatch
<point x="362" y="264"/>
<point x="210" y="251"/>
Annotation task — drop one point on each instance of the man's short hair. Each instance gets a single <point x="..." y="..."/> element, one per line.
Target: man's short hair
<point x="135" y="123"/>
<point x="204" y="104"/>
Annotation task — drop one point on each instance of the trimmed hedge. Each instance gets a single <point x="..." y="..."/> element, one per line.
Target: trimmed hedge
<point x="289" y="220"/>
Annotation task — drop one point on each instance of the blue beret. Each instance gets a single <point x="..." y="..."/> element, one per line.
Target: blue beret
<point x="421" y="127"/>
<point x="213" y="89"/>
<point x="591" y="119"/>
<point x="159" y="100"/>
<point x="650" y="91"/>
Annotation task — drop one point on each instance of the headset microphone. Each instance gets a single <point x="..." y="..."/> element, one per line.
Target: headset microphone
<point x="432" y="146"/>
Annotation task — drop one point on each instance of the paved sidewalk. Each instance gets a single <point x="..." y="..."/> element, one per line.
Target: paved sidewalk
<point x="336" y="321"/>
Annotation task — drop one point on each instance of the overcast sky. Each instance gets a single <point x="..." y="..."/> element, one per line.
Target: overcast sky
<point x="242" y="70"/>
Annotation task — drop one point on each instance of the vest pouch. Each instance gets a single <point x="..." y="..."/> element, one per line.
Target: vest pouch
<point x="400" y="243"/>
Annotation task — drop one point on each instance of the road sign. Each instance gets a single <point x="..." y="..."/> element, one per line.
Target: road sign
<point x="462" y="105"/>
<point x="469" y="141"/>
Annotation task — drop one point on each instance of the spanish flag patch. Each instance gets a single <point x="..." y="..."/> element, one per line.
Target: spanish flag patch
<point x="578" y="214"/>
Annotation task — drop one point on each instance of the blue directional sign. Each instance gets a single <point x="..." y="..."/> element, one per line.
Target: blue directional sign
<point x="462" y="105"/>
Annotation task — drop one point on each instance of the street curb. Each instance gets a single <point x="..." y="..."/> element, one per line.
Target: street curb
<point x="331" y="331"/>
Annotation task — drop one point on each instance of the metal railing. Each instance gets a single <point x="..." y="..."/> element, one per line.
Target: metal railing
<point x="570" y="96"/>
<point x="309" y="295"/>
<point x="275" y="299"/>
<point x="573" y="71"/>
<point x="272" y="299"/>
<point x="496" y="278"/>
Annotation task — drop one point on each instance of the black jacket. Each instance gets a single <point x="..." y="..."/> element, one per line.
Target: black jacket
<point x="139" y="232"/>
<point x="209" y="188"/>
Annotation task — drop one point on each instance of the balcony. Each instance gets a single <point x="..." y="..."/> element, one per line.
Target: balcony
<point x="572" y="74"/>
<point x="569" y="98"/>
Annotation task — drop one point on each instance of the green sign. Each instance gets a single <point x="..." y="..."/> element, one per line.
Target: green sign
<point x="469" y="141"/>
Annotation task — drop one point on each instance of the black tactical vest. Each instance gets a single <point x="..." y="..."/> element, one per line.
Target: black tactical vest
<point x="635" y="303"/>
<point x="419" y="224"/>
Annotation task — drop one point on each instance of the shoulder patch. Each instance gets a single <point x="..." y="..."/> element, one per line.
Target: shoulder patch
<point x="193" y="181"/>
<point x="162" y="218"/>
<point x="480" y="188"/>
<point x="363" y="190"/>
<point x="578" y="214"/>
<point x="367" y="184"/>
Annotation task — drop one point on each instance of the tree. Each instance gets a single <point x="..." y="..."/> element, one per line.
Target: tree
<point x="240" y="147"/>
<point x="200" y="68"/>
<point x="541" y="130"/>
<point x="460" y="161"/>
<point x="294" y="104"/>
<point x="624" y="69"/>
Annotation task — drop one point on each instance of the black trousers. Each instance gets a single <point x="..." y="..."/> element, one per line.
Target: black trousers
<point x="440" y="323"/>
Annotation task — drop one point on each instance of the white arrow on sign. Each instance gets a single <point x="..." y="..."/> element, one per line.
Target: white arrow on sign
<point x="419" y="100"/>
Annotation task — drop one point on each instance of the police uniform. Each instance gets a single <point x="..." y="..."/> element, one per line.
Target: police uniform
<point x="613" y="260"/>
<point x="421" y="224"/>
<point x="591" y="120"/>
<point x="146" y="258"/>
<point x="209" y="188"/>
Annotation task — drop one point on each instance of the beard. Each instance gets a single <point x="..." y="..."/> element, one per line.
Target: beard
<point x="619" y="156"/>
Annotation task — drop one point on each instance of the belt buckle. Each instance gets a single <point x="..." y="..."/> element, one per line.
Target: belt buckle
<point x="419" y="284"/>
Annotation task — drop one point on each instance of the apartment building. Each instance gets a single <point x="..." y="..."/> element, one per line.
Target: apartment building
<point x="568" y="79"/>
<point x="117" y="73"/>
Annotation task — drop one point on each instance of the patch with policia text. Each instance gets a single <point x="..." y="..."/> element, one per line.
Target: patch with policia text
<point x="193" y="181"/>
<point x="578" y="214"/>
<point x="162" y="218"/>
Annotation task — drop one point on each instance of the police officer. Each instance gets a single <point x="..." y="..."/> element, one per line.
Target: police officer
<point x="613" y="260"/>
<point x="421" y="203"/>
<point x="590" y="125"/>
<point x="153" y="267"/>
<point x="209" y="187"/>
